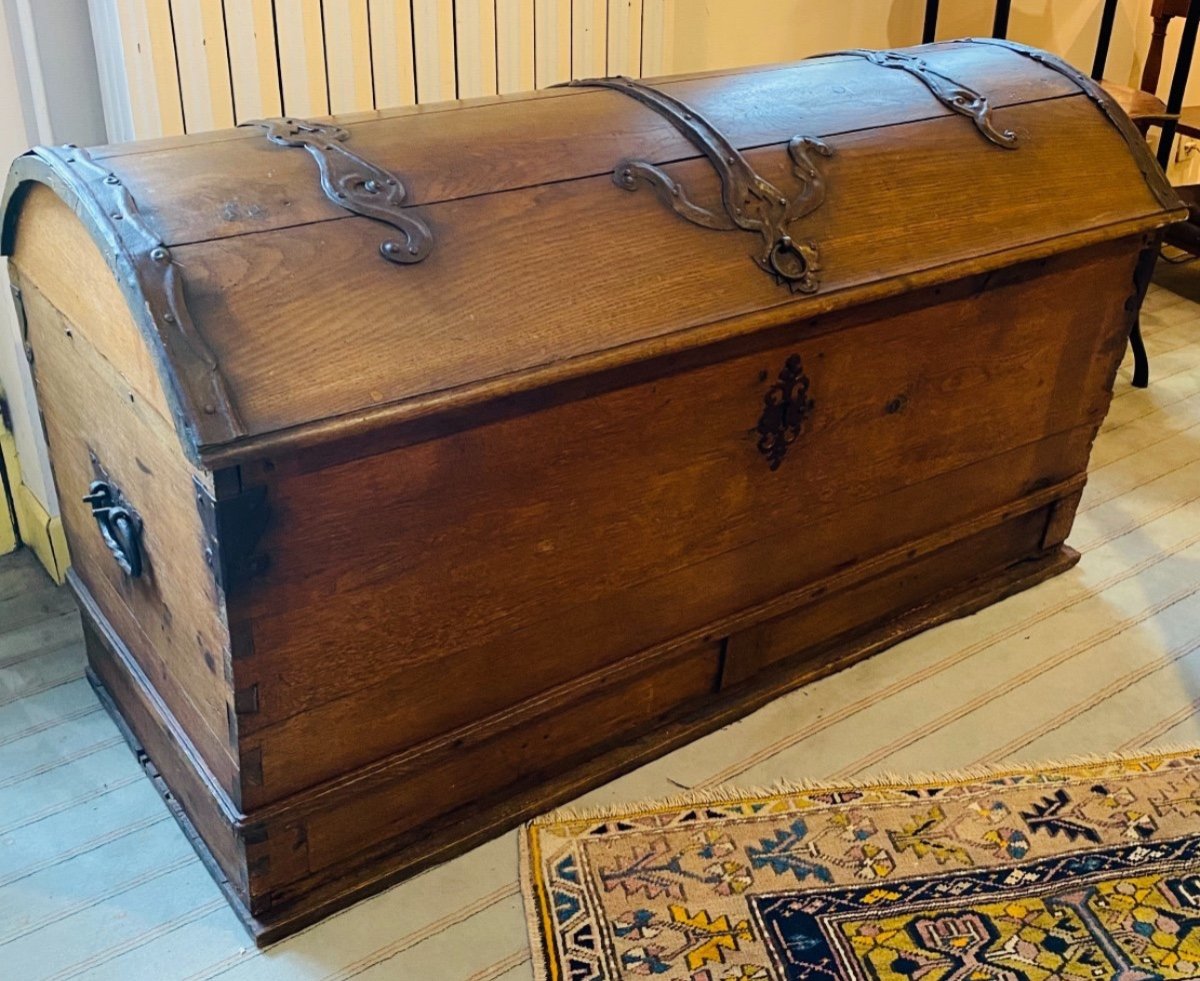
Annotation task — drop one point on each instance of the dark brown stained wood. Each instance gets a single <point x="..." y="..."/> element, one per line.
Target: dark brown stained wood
<point x="750" y="651"/>
<point x="461" y="539"/>
<point x="172" y="618"/>
<point x="1062" y="516"/>
<point x="674" y="518"/>
<point x="433" y="697"/>
<point x="327" y="823"/>
<point x="391" y="340"/>
<point x="241" y="186"/>
<point x="145" y="718"/>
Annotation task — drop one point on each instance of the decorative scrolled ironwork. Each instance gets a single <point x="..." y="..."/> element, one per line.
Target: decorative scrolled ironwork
<point x="1155" y="178"/>
<point x="355" y="184"/>
<point x="200" y="400"/>
<point x="785" y="407"/>
<point x="952" y="94"/>
<point x="752" y="203"/>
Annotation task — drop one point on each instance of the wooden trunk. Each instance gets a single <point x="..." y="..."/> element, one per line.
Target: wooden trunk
<point x="381" y="557"/>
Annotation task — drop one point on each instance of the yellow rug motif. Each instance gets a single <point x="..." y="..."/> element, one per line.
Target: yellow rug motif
<point x="1080" y="871"/>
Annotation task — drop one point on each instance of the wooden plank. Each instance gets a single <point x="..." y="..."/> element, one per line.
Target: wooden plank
<point x="688" y="276"/>
<point x="552" y="52"/>
<point x="253" y="59"/>
<point x="475" y="47"/>
<point x="625" y="37"/>
<point x="433" y="30"/>
<point x="514" y="45"/>
<point x="438" y="153"/>
<point x="148" y="43"/>
<point x="658" y="37"/>
<point x="203" y="64"/>
<point x="378" y="866"/>
<point x="589" y="38"/>
<point x="810" y="628"/>
<point x="685" y="554"/>
<point x="348" y="56"/>
<point x="302" y="57"/>
<point x="171" y="617"/>
<point x="392" y="53"/>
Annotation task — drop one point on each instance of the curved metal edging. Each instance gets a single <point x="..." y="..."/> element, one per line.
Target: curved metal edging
<point x="203" y="411"/>
<point x="1156" y="180"/>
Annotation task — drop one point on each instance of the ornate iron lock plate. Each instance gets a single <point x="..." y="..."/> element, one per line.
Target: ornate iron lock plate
<point x="785" y="407"/>
<point x="752" y="203"/>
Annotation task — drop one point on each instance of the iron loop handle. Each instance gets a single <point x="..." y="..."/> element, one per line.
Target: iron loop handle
<point x="120" y="528"/>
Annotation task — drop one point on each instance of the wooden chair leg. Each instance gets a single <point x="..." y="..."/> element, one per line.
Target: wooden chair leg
<point x="1141" y="363"/>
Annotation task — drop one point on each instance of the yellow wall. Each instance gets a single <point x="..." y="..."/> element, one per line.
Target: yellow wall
<point x="726" y="33"/>
<point x="710" y="34"/>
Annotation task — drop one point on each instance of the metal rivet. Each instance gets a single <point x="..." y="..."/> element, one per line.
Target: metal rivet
<point x="210" y="410"/>
<point x="169" y="318"/>
<point x="371" y="187"/>
<point x="112" y="179"/>
<point x="159" y="254"/>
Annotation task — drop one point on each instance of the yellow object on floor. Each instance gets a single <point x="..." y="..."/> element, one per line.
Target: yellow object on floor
<point x="39" y="530"/>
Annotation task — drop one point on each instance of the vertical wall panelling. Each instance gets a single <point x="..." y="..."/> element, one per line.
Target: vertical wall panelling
<point x="658" y="33"/>
<point x="392" y="53"/>
<point x="302" y="57"/>
<point x="589" y="38"/>
<point x="110" y="61"/>
<point x="171" y="65"/>
<point x="624" y="37"/>
<point x="552" y="50"/>
<point x="203" y="63"/>
<point x="149" y="49"/>
<point x="475" y="47"/>
<point x="433" y="27"/>
<point x="253" y="60"/>
<point x="348" y="56"/>
<point x="514" y="45"/>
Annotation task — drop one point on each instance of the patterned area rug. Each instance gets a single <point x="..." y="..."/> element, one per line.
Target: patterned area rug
<point x="1087" y="870"/>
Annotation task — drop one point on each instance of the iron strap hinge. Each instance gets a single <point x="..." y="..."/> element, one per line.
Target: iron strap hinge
<point x="354" y="183"/>
<point x="751" y="202"/>
<point x="233" y="527"/>
<point x="952" y="94"/>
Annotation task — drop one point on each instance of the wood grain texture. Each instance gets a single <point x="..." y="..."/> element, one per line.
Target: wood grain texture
<point x="685" y="519"/>
<point x="57" y="255"/>
<point x="686" y="276"/>
<point x="172" y="618"/>
<point x="509" y="144"/>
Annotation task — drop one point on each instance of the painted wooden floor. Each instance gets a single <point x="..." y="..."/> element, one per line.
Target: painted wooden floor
<point x="96" y="881"/>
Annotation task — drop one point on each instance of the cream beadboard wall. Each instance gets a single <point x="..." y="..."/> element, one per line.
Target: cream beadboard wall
<point x="174" y="66"/>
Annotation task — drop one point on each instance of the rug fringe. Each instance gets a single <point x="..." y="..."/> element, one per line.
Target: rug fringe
<point x="726" y="793"/>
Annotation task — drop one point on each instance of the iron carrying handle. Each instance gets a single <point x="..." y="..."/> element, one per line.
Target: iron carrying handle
<point x="120" y="528"/>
